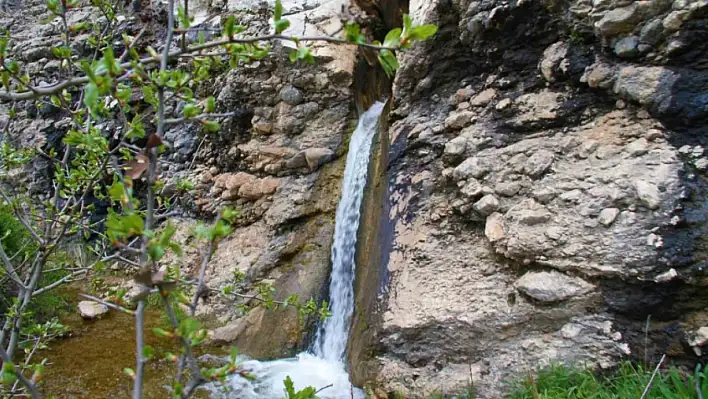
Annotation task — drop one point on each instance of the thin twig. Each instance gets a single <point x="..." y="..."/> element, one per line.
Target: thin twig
<point x="653" y="375"/>
<point x="109" y="304"/>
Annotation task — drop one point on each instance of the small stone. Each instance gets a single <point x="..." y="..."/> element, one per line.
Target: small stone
<point x="666" y="276"/>
<point x="685" y="149"/>
<point x="471" y="167"/>
<point x="291" y="95"/>
<point x="503" y="104"/>
<point x="637" y="147"/>
<point x="316" y="157"/>
<point x="455" y="148"/>
<point x="652" y="32"/>
<point x="472" y="189"/>
<point x="487" y="205"/>
<point x="620" y="104"/>
<point x="552" y="286"/>
<point x="483" y="98"/>
<point x="459" y="120"/>
<point x="544" y="195"/>
<point x="699" y="337"/>
<point x="654" y="134"/>
<point x="572" y="196"/>
<point x="494" y="227"/>
<point x="507" y="189"/>
<point x="702" y="164"/>
<point x="674" y="20"/>
<point x="461" y="96"/>
<point x="532" y="217"/>
<point x="538" y="163"/>
<point x="92" y="310"/>
<point x="627" y="47"/>
<point x="619" y="20"/>
<point x="608" y="216"/>
<point x="648" y="194"/>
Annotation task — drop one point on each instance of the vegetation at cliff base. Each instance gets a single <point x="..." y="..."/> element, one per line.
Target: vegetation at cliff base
<point x="627" y="381"/>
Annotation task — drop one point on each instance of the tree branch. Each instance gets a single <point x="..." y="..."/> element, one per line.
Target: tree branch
<point x="27" y="383"/>
<point x="35" y="92"/>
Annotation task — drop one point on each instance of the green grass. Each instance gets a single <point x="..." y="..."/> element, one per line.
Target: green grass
<point x="628" y="381"/>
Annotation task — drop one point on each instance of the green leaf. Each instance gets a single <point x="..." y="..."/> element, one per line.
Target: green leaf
<point x="210" y="104"/>
<point x="422" y="32"/>
<point x="289" y="387"/>
<point x="148" y="352"/>
<point x="393" y="38"/>
<point x="156" y="252"/>
<point x="234" y="354"/>
<point x="53" y="6"/>
<point x="407" y="25"/>
<point x="353" y="34"/>
<point x="281" y="25"/>
<point x="190" y="111"/>
<point x="211" y="126"/>
<point x="278" y="13"/>
<point x="388" y="61"/>
<point x="159" y="332"/>
<point x="189" y="326"/>
<point x="129" y="372"/>
<point x="91" y="96"/>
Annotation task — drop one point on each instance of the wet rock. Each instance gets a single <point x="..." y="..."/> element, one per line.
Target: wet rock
<point x="92" y="310"/>
<point x="552" y="286"/>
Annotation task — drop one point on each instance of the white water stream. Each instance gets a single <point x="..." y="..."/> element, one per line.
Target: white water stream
<point x="324" y="365"/>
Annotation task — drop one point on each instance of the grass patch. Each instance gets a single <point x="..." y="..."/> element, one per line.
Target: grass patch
<point x="628" y="381"/>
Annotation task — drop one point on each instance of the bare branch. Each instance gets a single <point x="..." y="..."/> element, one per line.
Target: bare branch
<point x="109" y="304"/>
<point x="198" y="117"/>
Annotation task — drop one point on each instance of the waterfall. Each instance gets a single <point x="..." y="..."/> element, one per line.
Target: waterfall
<point x="324" y="366"/>
<point x="331" y="340"/>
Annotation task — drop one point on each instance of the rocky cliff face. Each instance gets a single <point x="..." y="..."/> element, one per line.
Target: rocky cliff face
<point x="547" y="191"/>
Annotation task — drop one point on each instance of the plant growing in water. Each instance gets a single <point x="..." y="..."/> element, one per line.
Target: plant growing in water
<point x="110" y="152"/>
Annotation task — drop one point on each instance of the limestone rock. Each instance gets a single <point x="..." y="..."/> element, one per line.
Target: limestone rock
<point x="316" y="157"/>
<point x="619" y="20"/>
<point x="483" y="98"/>
<point x="539" y="163"/>
<point x="494" y="227"/>
<point x="458" y="120"/>
<point x="648" y="193"/>
<point x="638" y="147"/>
<point x="291" y="95"/>
<point x="487" y="205"/>
<point x="627" y="47"/>
<point x="552" y="59"/>
<point x="91" y="309"/>
<point x="471" y="167"/>
<point x="552" y="286"/>
<point x="608" y="216"/>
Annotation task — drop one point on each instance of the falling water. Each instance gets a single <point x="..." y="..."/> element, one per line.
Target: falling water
<point x="331" y="342"/>
<point x="325" y="365"/>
